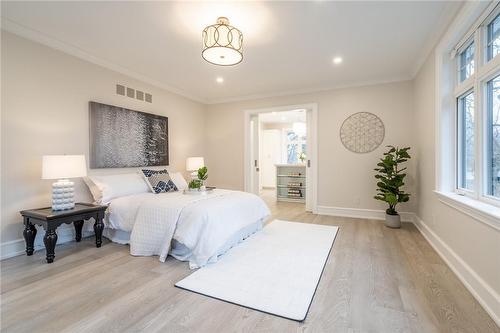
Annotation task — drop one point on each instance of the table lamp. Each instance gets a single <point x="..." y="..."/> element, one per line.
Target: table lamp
<point x="193" y="164"/>
<point x="63" y="167"/>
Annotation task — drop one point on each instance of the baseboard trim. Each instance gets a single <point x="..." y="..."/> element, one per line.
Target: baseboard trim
<point x="18" y="247"/>
<point x="482" y="291"/>
<point x="372" y="214"/>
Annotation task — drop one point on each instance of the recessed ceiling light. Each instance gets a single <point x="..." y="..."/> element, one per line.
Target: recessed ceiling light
<point x="337" y="60"/>
<point x="219" y="79"/>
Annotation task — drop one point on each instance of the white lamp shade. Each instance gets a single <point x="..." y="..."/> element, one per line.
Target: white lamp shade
<point x="194" y="163"/>
<point x="63" y="166"/>
<point x="222" y="43"/>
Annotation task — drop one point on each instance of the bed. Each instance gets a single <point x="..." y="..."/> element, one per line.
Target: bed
<point x="193" y="228"/>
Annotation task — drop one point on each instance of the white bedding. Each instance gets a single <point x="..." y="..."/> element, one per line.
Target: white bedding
<point x="198" y="227"/>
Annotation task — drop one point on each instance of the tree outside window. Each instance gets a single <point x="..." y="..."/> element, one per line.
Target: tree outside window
<point x="295" y="144"/>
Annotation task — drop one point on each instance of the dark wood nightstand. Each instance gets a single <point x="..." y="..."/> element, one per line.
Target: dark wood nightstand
<point x="50" y="220"/>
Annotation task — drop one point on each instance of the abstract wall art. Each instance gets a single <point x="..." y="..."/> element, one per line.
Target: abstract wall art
<point x="121" y="138"/>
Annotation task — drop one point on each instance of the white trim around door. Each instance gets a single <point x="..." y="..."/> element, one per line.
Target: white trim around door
<point x="312" y="109"/>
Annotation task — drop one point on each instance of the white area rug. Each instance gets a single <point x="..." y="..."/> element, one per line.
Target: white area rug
<point x="276" y="270"/>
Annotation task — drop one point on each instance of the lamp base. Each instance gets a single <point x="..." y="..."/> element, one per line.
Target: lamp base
<point x="63" y="195"/>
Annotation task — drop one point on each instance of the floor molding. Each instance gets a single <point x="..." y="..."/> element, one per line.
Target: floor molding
<point x="482" y="291"/>
<point x="18" y="247"/>
<point x="359" y="213"/>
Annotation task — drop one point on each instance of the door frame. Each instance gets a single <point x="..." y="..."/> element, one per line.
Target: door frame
<point x="312" y="146"/>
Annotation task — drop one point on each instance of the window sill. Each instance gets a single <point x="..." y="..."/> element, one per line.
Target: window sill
<point x="480" y="211"/>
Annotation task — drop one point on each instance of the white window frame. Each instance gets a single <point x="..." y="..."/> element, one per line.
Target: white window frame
<point x="459" y="162"/>
<point x="487" y="22"/>
<point x="484" y="71"/>
<point x="470" y="25"/>
<point x="486" y="197"/>
<point x="466" y="45"/>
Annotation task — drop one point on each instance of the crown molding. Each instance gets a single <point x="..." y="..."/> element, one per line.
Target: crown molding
<point x="449" y="12"/>
<point x="309" y="90"/>
<point x="41" y="38"/>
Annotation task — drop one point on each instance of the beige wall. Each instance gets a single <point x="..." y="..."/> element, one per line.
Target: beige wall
<point x="45" y="111"/>
<point x="345" y="179"/>
<point x="474" y="242"/>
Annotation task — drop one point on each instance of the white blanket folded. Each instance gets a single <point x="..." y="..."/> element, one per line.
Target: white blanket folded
<point x="203" y="224"/>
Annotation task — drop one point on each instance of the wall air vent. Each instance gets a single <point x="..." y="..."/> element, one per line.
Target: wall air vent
<point x="132" y="93"/>
<point x="120" y="90"/>
<point x="139" y="95"/>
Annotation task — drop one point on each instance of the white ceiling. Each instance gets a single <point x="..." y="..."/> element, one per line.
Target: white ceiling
<point x="288" y="46"/>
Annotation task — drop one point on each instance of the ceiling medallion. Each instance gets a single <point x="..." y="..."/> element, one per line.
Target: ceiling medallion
<point x="222" y="43"/>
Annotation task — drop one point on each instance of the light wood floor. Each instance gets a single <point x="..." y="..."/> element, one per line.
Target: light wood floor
<point x="376" y="280"/>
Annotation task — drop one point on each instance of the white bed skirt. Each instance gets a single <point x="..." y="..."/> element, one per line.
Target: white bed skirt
<point x="179" y="250"/>
<point x="117" y="236"/>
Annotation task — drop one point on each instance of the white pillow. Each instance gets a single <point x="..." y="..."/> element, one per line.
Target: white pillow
<point x="179" y="181"/>
<point x="106" y="188"/>
<point x="94" y="190"/>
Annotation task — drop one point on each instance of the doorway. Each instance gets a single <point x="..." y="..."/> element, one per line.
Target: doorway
<point x="281" y="153"/>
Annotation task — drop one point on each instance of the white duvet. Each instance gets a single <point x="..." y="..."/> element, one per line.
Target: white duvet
<point x="196" y="228"/>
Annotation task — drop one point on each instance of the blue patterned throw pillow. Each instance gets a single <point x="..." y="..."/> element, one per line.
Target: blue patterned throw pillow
<point x="159" y="181"/>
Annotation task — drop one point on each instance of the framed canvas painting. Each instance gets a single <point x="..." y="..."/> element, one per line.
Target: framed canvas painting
<point x="121" y="138"/>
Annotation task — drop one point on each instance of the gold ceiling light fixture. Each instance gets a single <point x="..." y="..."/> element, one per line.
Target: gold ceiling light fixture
<point x="222" y="43"/>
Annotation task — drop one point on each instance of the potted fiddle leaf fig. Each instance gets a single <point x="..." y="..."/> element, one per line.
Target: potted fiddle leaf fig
<point x="390" y="179"/>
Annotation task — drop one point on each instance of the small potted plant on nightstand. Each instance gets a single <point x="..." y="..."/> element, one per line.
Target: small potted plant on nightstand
<point x="202" y="176"/>
<point x="194" y="185"/>
<point x="390" y="179"/>
<point x="198" y="184"/>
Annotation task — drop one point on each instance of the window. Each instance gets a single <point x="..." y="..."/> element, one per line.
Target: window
<point x="295" y="145"/>
<point x="292" y="147"/>
<point x="493" y="31"/>
<point x="477" y="97"/>
<point x="466" y="140"/>
<point x="466" y="63"/>
<point x="468" y="114"/>
<point x="493" y="138"/>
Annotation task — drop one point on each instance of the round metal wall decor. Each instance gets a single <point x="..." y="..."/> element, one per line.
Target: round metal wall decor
<point x="362" y="132"/>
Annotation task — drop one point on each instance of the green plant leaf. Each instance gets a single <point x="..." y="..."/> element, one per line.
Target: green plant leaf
<point x="194" y="184"/>
<point x="390" y="177"/>
<point x="202" y="173"/>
